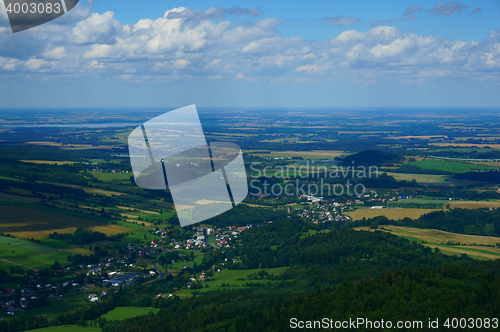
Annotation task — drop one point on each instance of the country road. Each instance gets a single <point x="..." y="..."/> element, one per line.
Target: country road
<point x="162" y="275"/>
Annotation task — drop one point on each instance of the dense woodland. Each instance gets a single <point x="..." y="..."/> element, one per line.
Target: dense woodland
<point x="334" y="274"/>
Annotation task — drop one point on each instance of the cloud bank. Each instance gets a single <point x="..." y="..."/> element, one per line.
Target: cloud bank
<point x="186" y="45"/>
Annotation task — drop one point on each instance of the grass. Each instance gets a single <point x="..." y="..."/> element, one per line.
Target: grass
<point x="421" y="178"/>
<point x="113" y="177"/>
<point x="12" y="247"/>
<point x="436" y="238"/>
<point x="43" y="260"/>
<point x="394" y="214"/>
<point x="178" y="266"/>
<point x="34" y="222"/>
<point x="55" y="243"/>
<point x="11" y="179"/>
<point x="68" y="328"/>
<point x="230" y="280"/>
<point x="448" y="166"/>
<point x="55" y="309"/>
<point x="140" y="236"/>
<point x="234" y="275"/>
<point x="120" y="313"/>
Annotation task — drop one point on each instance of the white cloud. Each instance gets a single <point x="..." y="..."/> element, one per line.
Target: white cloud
<point x="55" y="53"/>
<point x="97" y="29"/>
<point x="180" y="47"/>
<point x="309" y="68"/>
<point x="35" y="64"/>
<point x="434" y="73"/>
<point x="211" y="13"/>
<point x="8" y="64"/>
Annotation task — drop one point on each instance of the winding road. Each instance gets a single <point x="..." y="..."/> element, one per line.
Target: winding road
<point x="162" y="275"/>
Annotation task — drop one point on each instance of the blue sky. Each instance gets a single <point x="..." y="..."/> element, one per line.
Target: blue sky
<point x="256" y="54"/>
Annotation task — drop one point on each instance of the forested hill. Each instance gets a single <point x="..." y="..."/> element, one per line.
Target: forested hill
<point x="417" y="295"/>
<point x="372" y="158"/>
<point x="331" y="257"/>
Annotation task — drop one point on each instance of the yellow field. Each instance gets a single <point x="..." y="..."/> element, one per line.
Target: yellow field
<point x="232" y="134"/>
<point x="473" y="204"/>
<point x="486" y="163"/>
<point x="465" y="145"/>
<point x="394" y="214"/>
<point x="420" y="177"/>
<point x="45" y="143"/>
<point x="327" y="154"/>
<point x="435" y="237"/>
<point x="49" y="162"/>
<point x="419" y="137"/>
<point x="288" y="139"/>
<point x="27" y="222"/>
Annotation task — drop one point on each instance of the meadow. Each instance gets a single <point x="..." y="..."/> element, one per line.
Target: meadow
<point x="113" y="177"/>
<point x="420" y="178"/>
<point x="120" y="313"/>
<point x="68" y="328"/>
<point x="233" y="279"/>
<point x="448" y="166"/>
<point x="60" y="304"/>
<point x="43" y="260"/>
<point x="11" y="247"/>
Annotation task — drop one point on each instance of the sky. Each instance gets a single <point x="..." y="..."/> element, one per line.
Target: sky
<point x="220" y="53"/>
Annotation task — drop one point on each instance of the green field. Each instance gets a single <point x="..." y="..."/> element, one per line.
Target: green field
<point x="448" y="166"/>
<point x="59" y="305"/>
<point x="40" y="261"/>
<point x="228" y="280"/>
<point x="234" y="275"/>
<point x="68" y="328"/>
<point x="178" y="266"/>
<point x="55" y="243"/>
<point x="113" y="177"/>
<point x="120" y="313"/>
<point x="12" y="247"/>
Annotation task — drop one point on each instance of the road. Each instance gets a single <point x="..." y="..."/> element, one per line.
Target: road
<point x="162" y="275"/>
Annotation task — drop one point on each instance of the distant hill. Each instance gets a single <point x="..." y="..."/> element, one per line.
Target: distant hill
<point x="373" y="158"/>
